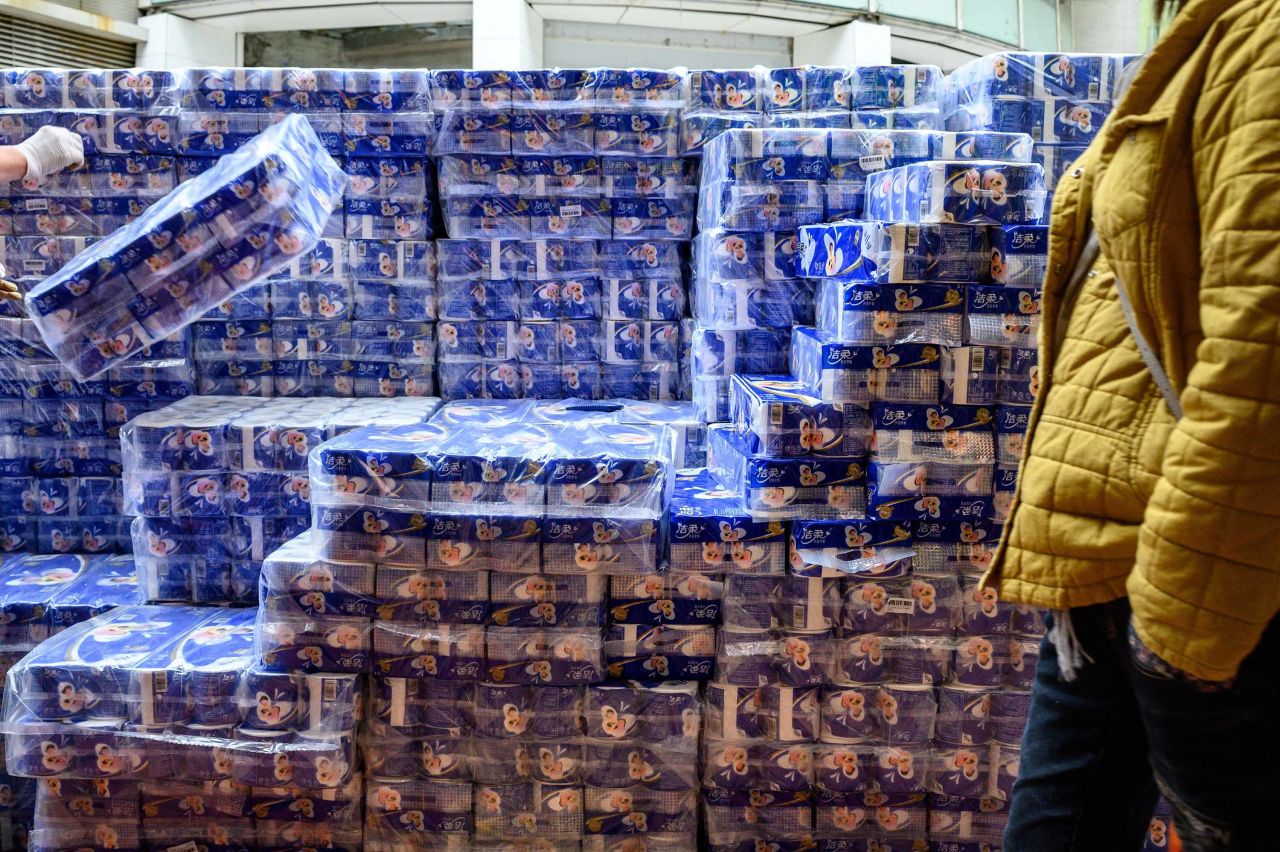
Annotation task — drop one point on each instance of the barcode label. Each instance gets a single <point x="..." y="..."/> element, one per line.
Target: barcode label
<point x="189" y="846"/>
<point x="570" y="211"/>
<point x="501" y="349"/>
<point x="330" y="690"/>
<point x="775" y="414"/>
<point x="913" y="236"/>
<point x="977" y="358"/>
<point x="797" y="614"/>
<point x="37" y="204"/>
<point x="899" y="605"/>
<point x="33" y="265"/>
<point x="871" y="162"/>
<point x="1093" y="91"/>
<point x="160" y="682"/>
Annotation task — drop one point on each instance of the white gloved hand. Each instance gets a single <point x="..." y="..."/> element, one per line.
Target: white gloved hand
<point x="51" y="150"/>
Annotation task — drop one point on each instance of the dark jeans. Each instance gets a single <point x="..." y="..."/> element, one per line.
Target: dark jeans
<point x="1098" y="750"/>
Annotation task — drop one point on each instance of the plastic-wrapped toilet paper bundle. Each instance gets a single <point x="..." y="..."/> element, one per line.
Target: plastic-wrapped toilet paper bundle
<point x="507" y="525"/>
<point x="162" y="692"/>
<point x="720" y="100"/>
<point x="749" y="275"/>
<point x="870" y="694"/>
<point x="225" y="753"/>
<point x="1061" y="100"/>
<point x="897" y="253"/>
<point x="562" y="153"/>
<point x="217" y="483"/>
<point x="43" y="595"/>
<point x="86" y="813"/>
<point x="208" y="240"/>
<point x="549" y="319"/>
<point x="896" y="96"/>
<point x="59" y="440"/>
<point x="975" y="192"/>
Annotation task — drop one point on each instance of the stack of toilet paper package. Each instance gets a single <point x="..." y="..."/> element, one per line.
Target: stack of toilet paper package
<point x="39" y="597"/>
<point x="355" y="315"/>
<point x="1059" y="99"/>
<point x="467" y="565"/>
<point x="874" y="691"/>
<point x="60" y="460"/>
<point x="127" y="120"/>
<point x="558" y="318"/>
<point x="758" y="187"/>
<point x="152" y="727"/>
<point x="59" y="439"/>
<point x="568" y="204"/>
<point x="879" y="97"/>
<point x="215" y="484"/>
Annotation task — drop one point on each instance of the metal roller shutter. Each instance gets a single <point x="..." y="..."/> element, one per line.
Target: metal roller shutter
<point x="28" y="44"/>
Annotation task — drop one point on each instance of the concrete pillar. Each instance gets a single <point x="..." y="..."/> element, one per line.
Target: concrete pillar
<point x="855" y="43"/>
<point x="505" y="34"/>
<point x="175" y="42"/>
<point x="1110" y="26"/>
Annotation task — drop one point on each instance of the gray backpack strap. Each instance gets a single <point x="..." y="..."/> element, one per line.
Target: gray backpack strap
<point x="1089" y="256"/>
<point x="1149" y="356"/>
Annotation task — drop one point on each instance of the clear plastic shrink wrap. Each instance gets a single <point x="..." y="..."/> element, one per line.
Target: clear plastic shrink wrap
<point x="217" y="483"/>
<point x="209" y="239"/>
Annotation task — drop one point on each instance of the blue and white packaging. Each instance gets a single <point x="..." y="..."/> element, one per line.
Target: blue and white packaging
<point x="1003" y="316"/>
<point x="1011" y="428"/>
<point x="779" y="418"/>
<point x="1018" y="377"/>
<point x="1091" y="77"/>
<point x="983" y="145"/>
<point x="975" y="192"/>
<point x="969" y="375"/>
<point x="806" y="89"/>
<point x="856" y="312"/>
<point x="787" y="487"/>
<point x="894" y="86"/>
<point x="849" y="373"/>
<point x="744" y="256"/>
<point x="709" y="533"/>
<point x="724" y="353"/>
<point x="894" y="253"/>
<point x="95" y="323"/>
<point x="1056" y="160"/>
<point x="776" y="304"/>
<point x="1019" y="255"/>
<point x="778" y="206"/>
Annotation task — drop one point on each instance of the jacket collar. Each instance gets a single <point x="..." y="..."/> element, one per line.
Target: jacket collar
<point x="1183" y="36"/>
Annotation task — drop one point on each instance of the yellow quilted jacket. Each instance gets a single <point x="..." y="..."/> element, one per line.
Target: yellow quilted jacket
<point x="1114" y="498"/>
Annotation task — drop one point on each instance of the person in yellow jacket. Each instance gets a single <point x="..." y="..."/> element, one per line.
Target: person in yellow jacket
<point x="1147" y="516"/>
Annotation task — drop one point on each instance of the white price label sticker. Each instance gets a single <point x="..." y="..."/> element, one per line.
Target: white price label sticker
<point x="872" y="162"/>
<point x="570" y="211"/>
<point x="900" y="605"/>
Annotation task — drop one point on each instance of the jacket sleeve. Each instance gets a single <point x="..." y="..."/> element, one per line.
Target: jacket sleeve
<point x="1207" y="578"/>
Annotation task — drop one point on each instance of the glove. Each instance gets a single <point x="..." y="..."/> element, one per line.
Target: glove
<point x="51" y="150"/>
